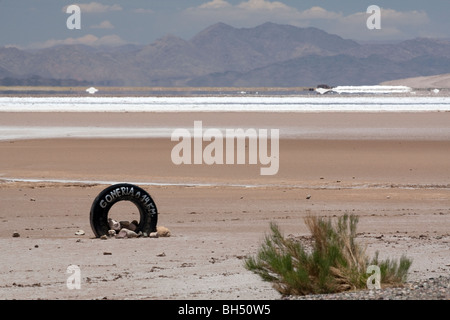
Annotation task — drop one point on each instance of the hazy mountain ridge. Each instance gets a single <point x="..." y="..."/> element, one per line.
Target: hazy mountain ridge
<point x="221" y="55"/>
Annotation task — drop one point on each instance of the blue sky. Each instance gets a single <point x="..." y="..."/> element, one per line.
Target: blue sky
<point x="42" y="23"/>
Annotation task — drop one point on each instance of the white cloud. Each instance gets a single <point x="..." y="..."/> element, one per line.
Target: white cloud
<point x="262" y="5"/>
<point x="246" y="13"/>
<point x="110" y="40"/>
<point x="406" y="18"/>
<point x="249" y="13"/>
<point x="215" y="4"/>
<point x="103" y="25"/>
<point x="316" y="13"/>
<point x="96" y="7"/>
<point x="394" y="25"/>
<point x="89" y="39"/>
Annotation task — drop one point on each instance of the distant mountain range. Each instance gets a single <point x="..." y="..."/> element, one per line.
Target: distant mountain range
<point x="267" y="55"/>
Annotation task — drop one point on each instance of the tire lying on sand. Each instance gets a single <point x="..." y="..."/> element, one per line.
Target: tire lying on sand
<point x="123" y="192"/>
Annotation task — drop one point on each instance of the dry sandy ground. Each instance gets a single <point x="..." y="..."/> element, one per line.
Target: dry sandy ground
<point x="437" y="81"/>
<point x="399" y="186"/>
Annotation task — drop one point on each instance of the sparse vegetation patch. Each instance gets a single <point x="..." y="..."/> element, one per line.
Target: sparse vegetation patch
<point x="335" y="263"/>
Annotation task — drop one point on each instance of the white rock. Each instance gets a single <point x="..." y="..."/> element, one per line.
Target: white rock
<point x="113" y="224"/>
<point x="322" y="90"/>
<point x="126" y="233"/>
<point x="91" y="90"/>
<point x="80" y="233"/>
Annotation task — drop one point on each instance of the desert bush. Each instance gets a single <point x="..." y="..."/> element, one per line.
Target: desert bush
<point x="335" y="263"/>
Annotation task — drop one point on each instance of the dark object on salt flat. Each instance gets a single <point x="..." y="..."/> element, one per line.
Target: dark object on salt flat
<point x="123" y="192"/>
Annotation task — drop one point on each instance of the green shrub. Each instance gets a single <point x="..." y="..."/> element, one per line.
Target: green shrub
<point x="335" y="263"/>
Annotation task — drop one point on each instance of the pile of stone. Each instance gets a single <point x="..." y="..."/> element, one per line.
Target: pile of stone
<point x="126" y="229"/>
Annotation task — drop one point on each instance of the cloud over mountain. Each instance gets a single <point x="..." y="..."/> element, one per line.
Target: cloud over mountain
<point x="96" y="7"/>
<point x="253" y="12"/>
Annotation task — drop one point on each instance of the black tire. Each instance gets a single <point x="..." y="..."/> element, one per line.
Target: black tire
<point x="123" y="192"/>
